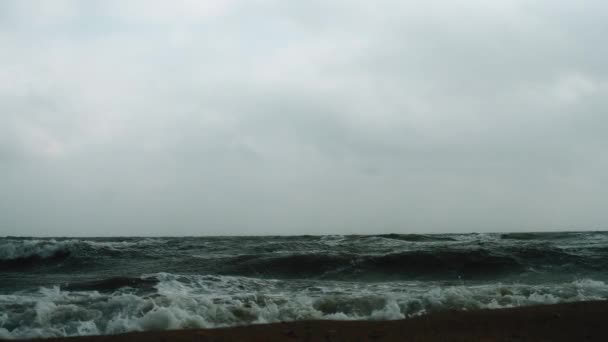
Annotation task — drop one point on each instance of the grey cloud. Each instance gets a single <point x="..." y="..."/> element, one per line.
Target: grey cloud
<point x="278" y="117"/>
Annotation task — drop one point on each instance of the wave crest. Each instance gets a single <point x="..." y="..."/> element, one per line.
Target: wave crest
<point x="25" y="252"/>
<point x="192" y="301"/>
<point x="15" y="250"/>
<point x="401" y="265"/>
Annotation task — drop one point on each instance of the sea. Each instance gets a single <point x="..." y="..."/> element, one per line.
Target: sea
<point x="90" y="286"/>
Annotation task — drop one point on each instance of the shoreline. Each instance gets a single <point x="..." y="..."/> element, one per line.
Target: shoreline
<point x="578" y="321"/>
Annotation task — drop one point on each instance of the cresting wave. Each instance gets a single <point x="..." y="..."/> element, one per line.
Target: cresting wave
<point x="25" y="252"/>
<point x="443" y="263"/>
<point x="180" y="301"/>
<point x="353" y="258"/>
<point x="11" y="250"/>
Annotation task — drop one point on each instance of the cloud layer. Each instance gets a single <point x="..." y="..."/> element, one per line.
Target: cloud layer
<point x="290" y="117"/>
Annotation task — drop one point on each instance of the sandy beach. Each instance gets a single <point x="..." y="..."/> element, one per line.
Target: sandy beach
<point x="581" y="321"/>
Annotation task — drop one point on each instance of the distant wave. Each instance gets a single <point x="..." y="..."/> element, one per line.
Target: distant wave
<point x="416" y="237"/>
<point x="443" y="263"/>
<point x="539" y="236"/>
<point x="341" y="258"/>
<point x="21" y="252"/>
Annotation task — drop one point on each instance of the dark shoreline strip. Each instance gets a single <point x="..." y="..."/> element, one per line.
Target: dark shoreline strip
<point x="580" y="321"/>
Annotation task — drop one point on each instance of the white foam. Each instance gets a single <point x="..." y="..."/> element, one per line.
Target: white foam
<point x="118" y="245"/>
<point x="87" y="328"/>
<point x="5" y="334"/>
<point x="389" y="312"/>
<point x="214" y="301"/>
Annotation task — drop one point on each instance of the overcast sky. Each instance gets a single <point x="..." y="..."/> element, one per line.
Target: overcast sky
<point x="230" y="117"/>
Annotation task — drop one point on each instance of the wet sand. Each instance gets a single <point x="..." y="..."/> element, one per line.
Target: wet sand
<point x="582" y="321"/>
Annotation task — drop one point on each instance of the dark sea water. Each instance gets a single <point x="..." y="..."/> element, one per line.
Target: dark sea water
<point x="68" y="286"/>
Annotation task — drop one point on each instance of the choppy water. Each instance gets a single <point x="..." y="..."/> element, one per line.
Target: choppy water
<point x="65" y="286"/>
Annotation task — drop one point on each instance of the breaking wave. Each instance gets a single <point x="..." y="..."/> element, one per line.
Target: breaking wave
<point x="30" y="252"/>
<point x="180" y="301"/>
<point x="11" y="250"/>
